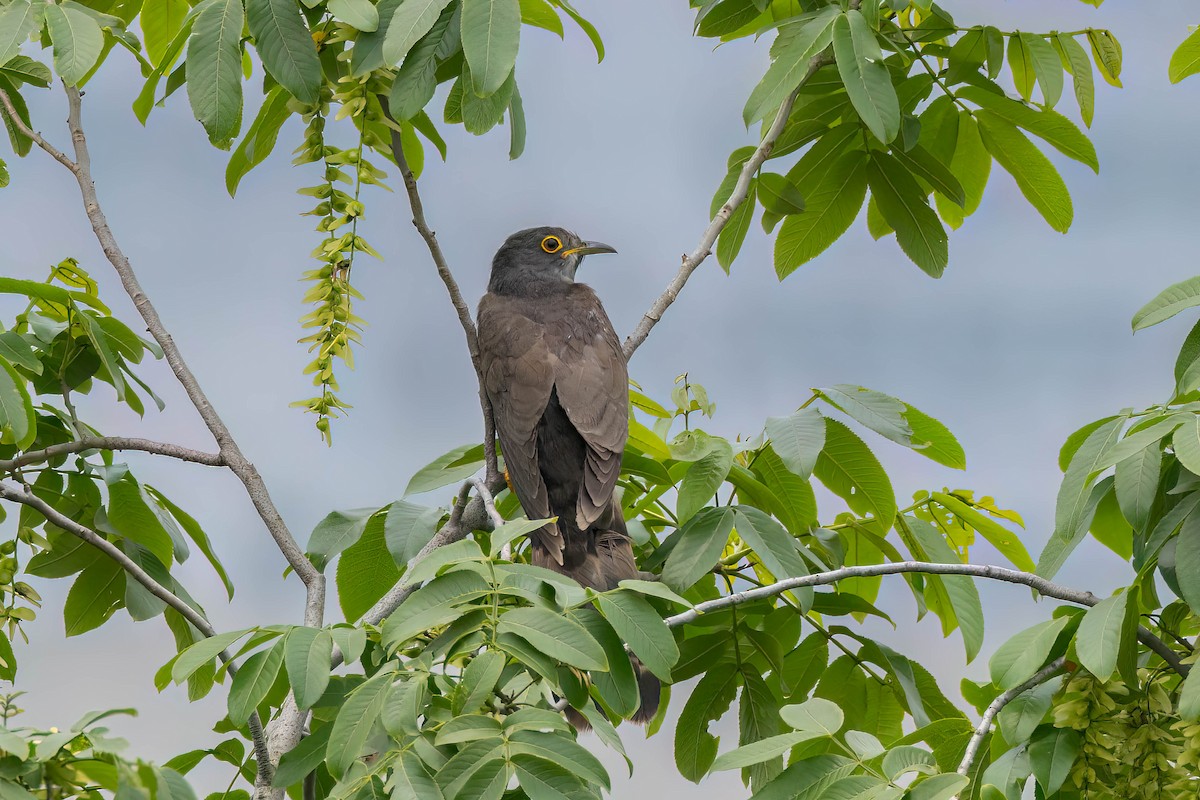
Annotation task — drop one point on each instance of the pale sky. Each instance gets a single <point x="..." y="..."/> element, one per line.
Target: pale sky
<point x="1025" y="338"/>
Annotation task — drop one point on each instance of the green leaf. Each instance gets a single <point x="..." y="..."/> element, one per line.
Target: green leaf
<point x="355" y="721"/>
<point x="202" y="653"/>
<point x="773" y="545"/>
<point x="1189" y="697"/>
<point x="457" y="465"/>
<point x="1137" y="485"/>
<point x="491" y="32"/>
<point x="1020" y="61"/>
<point x="133" y="518"/>
<point x="1004" y="540"/>
<point x="407" y="528"/>
<point x="907" y="758"/>
<point x="253" y="681"/>
<point x="733" y="235"/>
<point x="815" y="715"/>
<point x="259" y="140"/>
<point x="923" y="164"/>
<point x="1071" y="509"/>
<point x="1140" y="439"/>
<point x="1048" y="125"/>
<point x="1036" y="177"/>
<point x="416" y="79"/>
<point x="412" y="779"/>
<point x="359" y="14"/>
<point x="433" y="604"/>
<point x="762" y="750"/>
<point x="339" y="530"/>
<point x="798" y="439"/>
<point x="877" y="411"/>
<point x="77" y="39"/>
<point x="1098" y="640"/>
<point x="516" y="125"/>
<point x="411" y="21"/>
<point x="1052" y="754"/>
<point x="850" y="470"/>
<point x="695" y="747"/>
<point x="960" y="589"/>
<point x="160" y="21"/>
<point x="778" y="195"/>
<point x="1046" y="66"/>
<point x="556" y="636"/>
<point x="636" y="621"/>
<point x="214" y="70"/>
<point x="307" y="658"/>
<point x="588" y="28"/>
<point x="197" y="534"/>
<point x="1015" y="661"/>
<point x="1081" y="71"/>
<point x="1025" y="712"/>
<point x="546" y="780"/>
<point x="305" y="757"/>
<point x="810" y="778"/>
<point x="797" y="505"/>
<point x="286" y="46"/>
<point x="19" y="20"/>
<point x="797" y="44"/>
<point x="1187" y="560"/>
<point x="1167" y="303"/>
<point x="725" y="17"/>
<point x="867" y="80"/>
<point x="939" y="787"/>
<point x="1185" y="60"/>
<point x="18" y="424"/>
<point x="905" y="208"/>
<point x="934" y="440"/>
<point x="365" y="572"/>
<point x="479" y="679"/>
<point x="833" y="199"/>
<point x="468" y="728"/>
<point x="94" y="596"/>
<point x="703" y="478"/>
<point x="700" y="543"/>
<point x="557" y="749"/>
<point x="541" y="14"/>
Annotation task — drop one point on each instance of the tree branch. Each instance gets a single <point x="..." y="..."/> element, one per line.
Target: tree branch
<point x="443" y="268"/>
<point x="131" y="567"/>
<point x="11" y="111"/>
<point x="989" y="714"/>
<point x="740" y="191"/>
<point x="113" y="443"/>
<point x="1043" y="586"/>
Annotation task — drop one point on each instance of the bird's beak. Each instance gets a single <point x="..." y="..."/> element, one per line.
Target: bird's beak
<point x="588" y="248"/>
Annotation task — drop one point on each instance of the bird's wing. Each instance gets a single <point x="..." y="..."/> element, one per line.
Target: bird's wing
<point x="593" y="388"/>
<point x="518" y="375"/>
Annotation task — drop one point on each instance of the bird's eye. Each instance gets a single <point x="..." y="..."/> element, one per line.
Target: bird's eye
<point x="551" y="244"/>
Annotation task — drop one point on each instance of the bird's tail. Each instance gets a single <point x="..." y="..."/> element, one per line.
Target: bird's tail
<point x="649" y="691"/>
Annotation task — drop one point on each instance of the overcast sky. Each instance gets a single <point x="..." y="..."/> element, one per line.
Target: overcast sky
<point x="1024" y="339"/>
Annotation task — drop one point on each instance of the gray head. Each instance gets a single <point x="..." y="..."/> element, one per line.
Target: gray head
<point x="538" y="261"/>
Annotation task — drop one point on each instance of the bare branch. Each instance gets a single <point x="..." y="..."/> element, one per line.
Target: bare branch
<point x="740" y="191"/>
<point x="489" y="502"/>
<point x="11" y="112"/>
<point x="1043" y="586"/>
<point x="113" y="443"/>
<point x="1041" y="676"/>
<point x="443" y="269"/>
<point x="131" y="567"/>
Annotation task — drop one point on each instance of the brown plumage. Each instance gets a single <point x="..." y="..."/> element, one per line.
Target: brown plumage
<point x="556" y="377"/>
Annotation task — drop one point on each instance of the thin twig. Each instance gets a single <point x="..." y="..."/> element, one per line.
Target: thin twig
<point x="113" y="443"/>
<point x="740" y="191"/>
<point x="20" y="125"/>
<point x="134" y="570"/>
<point x="985" y="725"/>
<point x="489" y="502"/>
<point x="456" y="298"/>
<point x="1043" y="586"/>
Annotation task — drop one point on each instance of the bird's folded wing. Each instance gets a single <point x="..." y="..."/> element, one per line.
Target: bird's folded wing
<point x="593" y="389"/>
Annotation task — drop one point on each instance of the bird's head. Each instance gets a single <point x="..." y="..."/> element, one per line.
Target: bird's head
<point x="537" y="260"/>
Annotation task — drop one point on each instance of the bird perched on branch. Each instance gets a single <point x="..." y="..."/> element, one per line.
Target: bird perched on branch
<point x="556" y="377"/>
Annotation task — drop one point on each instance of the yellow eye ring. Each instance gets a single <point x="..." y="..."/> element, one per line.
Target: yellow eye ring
<point x="551" y="244"/>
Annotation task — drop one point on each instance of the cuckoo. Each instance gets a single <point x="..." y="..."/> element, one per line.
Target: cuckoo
<point x="555" y="374"/>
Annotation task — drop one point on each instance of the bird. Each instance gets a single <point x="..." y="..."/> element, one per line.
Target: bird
<point x="555" y="375"/>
